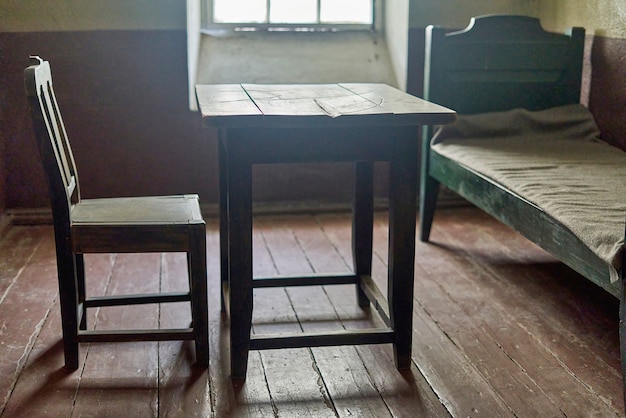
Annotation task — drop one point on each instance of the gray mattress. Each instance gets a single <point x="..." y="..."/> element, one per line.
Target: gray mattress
<point x="554" y="159"/>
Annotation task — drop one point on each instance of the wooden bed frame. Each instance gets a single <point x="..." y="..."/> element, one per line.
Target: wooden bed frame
<point x="500" y="63"/>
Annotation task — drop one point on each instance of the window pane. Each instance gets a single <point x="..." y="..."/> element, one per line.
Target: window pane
<point x="293" y="11"/>
<point x="346" y="11"/>
<point x="307" y="12"/>
<point x="239" y="11"/>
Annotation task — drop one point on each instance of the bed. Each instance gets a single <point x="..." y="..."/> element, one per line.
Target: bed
<point x="523" y="148"/>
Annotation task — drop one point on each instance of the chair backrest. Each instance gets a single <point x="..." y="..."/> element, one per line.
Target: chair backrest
<point x="503" y="62"/>
<point x="54" y="147"/>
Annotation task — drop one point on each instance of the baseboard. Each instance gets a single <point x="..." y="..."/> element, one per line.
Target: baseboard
<point x="31" y="216"/>
<point x="5" y="222"/>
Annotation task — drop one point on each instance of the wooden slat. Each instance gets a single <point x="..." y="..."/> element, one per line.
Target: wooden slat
<point x="118" y="300"/>
<point x="225" y="102"/>
<point x="378" y="301"/>
<point x="101" y="225"/>
<point x="322" y="339"/>
<point x="135" y="335"/>
<point x="314" y="104"/>
<point x="138" y="211"/>
<point x="301" y="99"/>
<point x="402" y="105"/>
<point x="316" y="280"/>
<point x="334" y="100"/>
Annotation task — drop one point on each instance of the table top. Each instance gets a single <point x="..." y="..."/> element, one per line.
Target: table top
<point x="302" y="105"/>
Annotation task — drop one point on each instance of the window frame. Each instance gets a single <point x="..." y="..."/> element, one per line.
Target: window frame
<point x="209" y="26"/>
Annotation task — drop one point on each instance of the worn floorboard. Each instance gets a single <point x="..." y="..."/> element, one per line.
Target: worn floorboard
<point x="500" y="328"/>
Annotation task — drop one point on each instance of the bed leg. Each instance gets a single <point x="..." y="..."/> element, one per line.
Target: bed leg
<point x="429" y="189"/>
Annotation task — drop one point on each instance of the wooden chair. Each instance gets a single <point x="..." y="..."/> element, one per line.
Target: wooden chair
<point x="112" y="225"/>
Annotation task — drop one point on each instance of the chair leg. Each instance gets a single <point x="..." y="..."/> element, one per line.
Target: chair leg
<point x="68" y="295"/>
<point x="80" y="287"/>
<point x="198" y="286"/>
<point x="362" y="226"/>
<point x="428" y="202"/>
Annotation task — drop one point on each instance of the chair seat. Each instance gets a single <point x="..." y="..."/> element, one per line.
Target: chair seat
<point x="148" y="210"/>
<point x="101" y="225"/>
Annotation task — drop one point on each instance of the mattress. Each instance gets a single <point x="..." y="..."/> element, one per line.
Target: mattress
<point x="555" y="159"/>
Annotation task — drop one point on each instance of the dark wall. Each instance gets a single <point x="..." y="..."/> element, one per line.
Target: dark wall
<point x="607" y="97"/>
<point x="124" y="98"/>
<point x="123" y="95"/>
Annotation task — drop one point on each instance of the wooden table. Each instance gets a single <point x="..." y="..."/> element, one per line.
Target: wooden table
<point x="302" y="123"/>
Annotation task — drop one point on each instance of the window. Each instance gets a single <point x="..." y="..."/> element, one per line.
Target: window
<point x="307" y="15"/>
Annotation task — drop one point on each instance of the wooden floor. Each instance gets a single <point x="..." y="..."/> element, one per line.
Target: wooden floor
<point x="500" y="329"/>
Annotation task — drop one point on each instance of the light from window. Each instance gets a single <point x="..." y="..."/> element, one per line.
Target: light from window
<point x="308" y="12"/>
<point x="290" y="11"/>
<point x="346" y="11"/>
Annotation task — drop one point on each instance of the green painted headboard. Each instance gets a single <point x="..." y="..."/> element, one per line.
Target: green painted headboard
<point x="502" y="62"/>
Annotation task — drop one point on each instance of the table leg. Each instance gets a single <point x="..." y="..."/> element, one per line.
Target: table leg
<point x="402" y="214"/>
<point x="196" y="260"/>
<point x="240" y="263"/>
<point x="223" y="217"/>
<point x="362" y="225"/>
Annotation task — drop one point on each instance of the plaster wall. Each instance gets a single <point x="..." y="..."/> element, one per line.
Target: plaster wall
<point x="294" y="57"/>
<point x="605" y="18"/>
<point x="456" y="14"/>
<point x="194" y="24"/>
<point x="396" y="37"/>
<point x="604" y="21"/>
